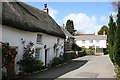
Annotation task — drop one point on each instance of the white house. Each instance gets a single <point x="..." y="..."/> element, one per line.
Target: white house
<point x="91" y="40"/>
<point x="24" y="23"/>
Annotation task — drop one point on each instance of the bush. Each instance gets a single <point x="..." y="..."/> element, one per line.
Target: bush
<point x="89" y="51"/>
<point x="66" y="57"/>
<point x="29" y="63"/>
<point x="57" y="60"/>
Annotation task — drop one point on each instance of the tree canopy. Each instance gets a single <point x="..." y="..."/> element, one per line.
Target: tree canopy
<point x="70" y="27"/>
<point x="103" y="29"/>
<point x="111" y="36"/>
<point x="114" y="41"/>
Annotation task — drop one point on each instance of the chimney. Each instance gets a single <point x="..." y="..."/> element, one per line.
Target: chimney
<point x="45" y="8"/>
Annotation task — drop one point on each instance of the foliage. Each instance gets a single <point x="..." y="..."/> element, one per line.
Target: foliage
<point x="75" y="47"/>
<point x="103" y="29"/>
<point x="70" y="27"/>
<point x="117" y="71"/>
<point x="8" y="54"/>
<point x="89" y="51"/>
<point x="57" y="60"/>
<point x="111" y="36"/>
<point x="114" y="43"/>
<point x="29" y="63"/>
<point x="117" y="40"/>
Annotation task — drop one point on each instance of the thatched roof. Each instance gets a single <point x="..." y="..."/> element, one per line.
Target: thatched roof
<point x="25" y="17"/>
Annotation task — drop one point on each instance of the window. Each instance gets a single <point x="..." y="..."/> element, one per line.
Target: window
<point x="39" y="38"/>
<point x="58" y="40"/>
<point x="97" y="41"/>
<point x="37" y="53"/>
<point x="91" y="41"/>
<point x="83" y="41"/>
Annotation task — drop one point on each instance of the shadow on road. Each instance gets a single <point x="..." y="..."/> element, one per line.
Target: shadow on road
<point x="56" y="72"/>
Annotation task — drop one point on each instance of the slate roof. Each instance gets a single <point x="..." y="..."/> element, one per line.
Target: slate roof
<point x="91" y="37"/>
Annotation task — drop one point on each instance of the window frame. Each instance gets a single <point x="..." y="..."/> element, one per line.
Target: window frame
<point x="39" y="53"/>
<point x="83" y="41"/>
<point x="39" y="39"/>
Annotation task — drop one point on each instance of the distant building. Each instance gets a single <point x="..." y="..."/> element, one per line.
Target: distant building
<point x="91" y="40"/>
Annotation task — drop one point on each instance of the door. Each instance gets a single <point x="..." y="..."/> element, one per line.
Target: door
<point x="45" y="57"/>
<point x="11" y="66"/>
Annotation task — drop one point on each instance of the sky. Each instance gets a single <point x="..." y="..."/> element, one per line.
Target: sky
<point x="88" y="17"/>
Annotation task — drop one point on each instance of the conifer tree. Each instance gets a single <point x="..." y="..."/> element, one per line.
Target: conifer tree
<point x="111" y="36"/>
<point x="70" y="27"/>
<point x="117" y="39"/>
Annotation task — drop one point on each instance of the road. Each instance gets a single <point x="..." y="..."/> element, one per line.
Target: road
<point x="82" y="67"/>
<point x="96" y="67"/>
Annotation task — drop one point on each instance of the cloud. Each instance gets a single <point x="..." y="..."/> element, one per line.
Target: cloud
<point x="103" y="18"/>
<point x="52" y="12"/>
<point x="83" y="23"/>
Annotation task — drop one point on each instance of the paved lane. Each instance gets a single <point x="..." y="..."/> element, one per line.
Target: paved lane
<point x="96" y="67"/>
<point x="82" y="67"/>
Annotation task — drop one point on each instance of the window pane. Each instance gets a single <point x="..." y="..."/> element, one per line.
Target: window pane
<point x="37" y="53"/>
<point x="39" y="37"/>
<point x="83" y="41"/>
<point x="91" y="41"/>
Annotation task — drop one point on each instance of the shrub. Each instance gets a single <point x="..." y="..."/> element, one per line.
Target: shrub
<point x="58" y="60"/>
<point x="89" y="51"/>
<point x="66" y="57"/>
<point x="55" y="61"/>
<point x="29" y="63"/>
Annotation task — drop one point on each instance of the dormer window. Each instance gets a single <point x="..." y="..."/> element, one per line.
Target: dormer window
<point x="39" y="38"/>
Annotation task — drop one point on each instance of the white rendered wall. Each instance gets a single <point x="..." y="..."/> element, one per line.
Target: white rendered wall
<point x="101" y="43"/>
<point x="13" y="36"/>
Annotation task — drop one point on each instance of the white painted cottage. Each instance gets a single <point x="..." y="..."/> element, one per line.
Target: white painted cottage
<point x="92" y="40"/>
<point x="22" y="22"/>
<point x="89" y="40"/>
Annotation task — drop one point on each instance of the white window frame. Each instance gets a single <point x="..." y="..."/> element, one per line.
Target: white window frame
<point x="58" y="41"/>
<point x="38" y="53"/>
<point x="39" y="38"/>
<point x="97" y="41"/>
<point x="83" y="41"/>
<point x="91" y="41"/>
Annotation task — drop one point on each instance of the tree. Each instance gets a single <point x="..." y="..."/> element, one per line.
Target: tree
<point x="111" y="36"/>
<point x="70" y="27"/>
<point x="117" y="39"/>
<point x="103" y="29"/>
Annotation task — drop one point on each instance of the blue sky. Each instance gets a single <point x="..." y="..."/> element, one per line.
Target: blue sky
<point x="88" y="17"/>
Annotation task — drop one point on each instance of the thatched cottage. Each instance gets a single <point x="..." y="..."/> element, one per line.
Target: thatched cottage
<point x="24" y="23"/>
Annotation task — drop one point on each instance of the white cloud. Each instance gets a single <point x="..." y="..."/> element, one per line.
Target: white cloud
<point x="52" y="12"/>
<point x="103" y="18"/>
<point x="83" y="23"/>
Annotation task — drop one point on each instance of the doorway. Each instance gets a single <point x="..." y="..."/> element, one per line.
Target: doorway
<point x="46" y="57"/>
